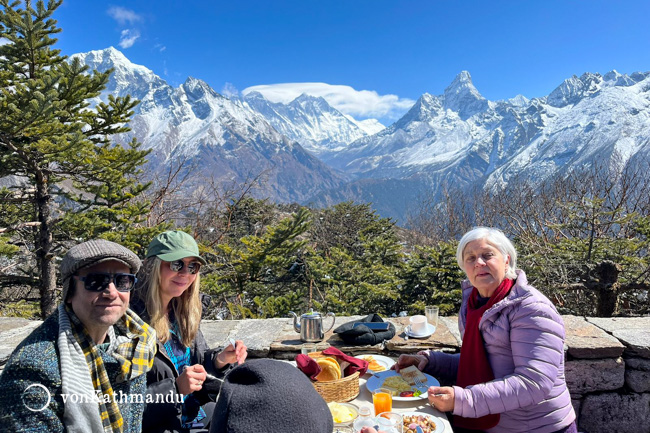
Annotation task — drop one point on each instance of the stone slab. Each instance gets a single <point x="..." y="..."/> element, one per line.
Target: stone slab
<point x="637" y="374"/>
<point x="258" y="334"/>
<point x="442" y="338"/>
<point x="612" y="412"/>
<point x="611" y="324"/>
<point x="216" y="332"/>
<point x="583" y="376"/>
<point x="451" y="322"/>
<point x="11" y="337"/>
<point x="9" y="323"/>
<point x="586" y="340"/>
<point x="288" y="343"/>
<point x="637" y="341"/>
<point x="631" y="331"/>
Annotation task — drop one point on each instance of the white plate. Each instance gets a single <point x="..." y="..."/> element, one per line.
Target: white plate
<point x="376" y="380"/>
<point x="382" y="360"/>
<point x="429" y="331"/>
<point x="440" y="426"/>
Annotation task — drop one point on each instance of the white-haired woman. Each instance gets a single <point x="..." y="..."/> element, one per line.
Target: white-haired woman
<point x="509" y="374"/>
<point x="179" y="398"/>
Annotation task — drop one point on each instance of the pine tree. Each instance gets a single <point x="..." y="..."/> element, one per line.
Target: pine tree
<point x="357" y="260"/>
<point x="78" y="183"/>
<point x="432" y="277"/>
<point x="261" y="275"/>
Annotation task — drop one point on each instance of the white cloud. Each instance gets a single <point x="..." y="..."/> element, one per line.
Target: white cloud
<point x="357" y="103"/>
<point x="229" y="90"/>
<point x="4" y="41"/>
<point x="123" y="16"/>
<point x="128" y="38"/>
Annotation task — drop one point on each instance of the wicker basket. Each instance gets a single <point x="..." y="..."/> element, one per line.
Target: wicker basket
<point x="344" y="389"/>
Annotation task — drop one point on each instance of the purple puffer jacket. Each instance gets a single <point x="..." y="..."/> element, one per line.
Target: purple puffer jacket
<point x="524" y="339"/>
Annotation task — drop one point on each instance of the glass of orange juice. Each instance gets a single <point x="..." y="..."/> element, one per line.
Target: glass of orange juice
<point x="382" y="399"/>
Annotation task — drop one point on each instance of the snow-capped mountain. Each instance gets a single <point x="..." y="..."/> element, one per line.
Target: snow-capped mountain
<point x="312" y="122"/>
<point x="456" y="139"/>
<point x="127" y="78"/>
<point x="225" y="139"/>
<point x="369" y="126"/>
<point x="460" y="138"/>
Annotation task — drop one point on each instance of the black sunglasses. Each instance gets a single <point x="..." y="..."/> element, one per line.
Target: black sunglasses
<point x="99" y="281"/>
<point x="178" y="265"/>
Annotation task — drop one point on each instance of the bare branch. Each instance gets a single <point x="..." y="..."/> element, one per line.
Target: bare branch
<point x="20" y="226"/>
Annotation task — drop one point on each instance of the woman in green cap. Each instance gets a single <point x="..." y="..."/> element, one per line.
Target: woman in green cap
<point x="179" y="399"/>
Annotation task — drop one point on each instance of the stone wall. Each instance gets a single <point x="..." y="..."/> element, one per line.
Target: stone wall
<point x="608" y="373"/>
<point x="607" y="360"/>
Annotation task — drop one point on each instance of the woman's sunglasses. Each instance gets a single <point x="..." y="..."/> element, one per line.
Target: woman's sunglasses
<point x="178" y="265"/>
<point x="99" y="281"/>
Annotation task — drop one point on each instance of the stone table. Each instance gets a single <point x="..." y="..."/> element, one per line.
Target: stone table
<point x="288" y="344"/>
<point x="442" y="339"/>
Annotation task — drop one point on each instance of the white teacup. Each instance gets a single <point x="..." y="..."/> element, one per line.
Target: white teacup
<point x="418" y="324"/>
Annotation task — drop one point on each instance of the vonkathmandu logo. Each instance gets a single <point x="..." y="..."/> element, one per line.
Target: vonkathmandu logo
<point x="37" y="398"/>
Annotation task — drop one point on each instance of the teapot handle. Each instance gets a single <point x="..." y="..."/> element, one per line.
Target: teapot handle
<point x="330" y="314"/>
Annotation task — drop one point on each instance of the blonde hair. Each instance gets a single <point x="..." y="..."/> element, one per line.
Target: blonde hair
<point x="187" y="307"/>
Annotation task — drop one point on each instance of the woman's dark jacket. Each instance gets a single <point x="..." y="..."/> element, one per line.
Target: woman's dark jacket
<point x="165" y="416"/>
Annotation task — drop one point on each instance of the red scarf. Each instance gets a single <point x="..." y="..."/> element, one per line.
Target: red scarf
<point x="474" y="366"/>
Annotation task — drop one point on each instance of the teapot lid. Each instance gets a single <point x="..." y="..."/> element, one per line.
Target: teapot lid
<point x="311" y="315"/>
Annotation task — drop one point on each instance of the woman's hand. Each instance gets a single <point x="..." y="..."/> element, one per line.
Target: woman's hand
<point x="230" y="355"/>
<point x="420" y="361"/>
<point x="442" y="398"/>
<point x="191" y="379"/>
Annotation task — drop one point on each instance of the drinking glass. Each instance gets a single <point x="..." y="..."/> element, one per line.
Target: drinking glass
<point x="432" y="315"/>
<point x="382" y="399"/>
<point x="390" y="422"/>
<point x="307" y="348"/>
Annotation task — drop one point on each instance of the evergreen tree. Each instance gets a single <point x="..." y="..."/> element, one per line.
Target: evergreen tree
<point x="260" y="275"/>
<point x="7" y="249"/>
<point x="357" y="260"/>
<point x="432" y="277"/>
<point x="78" y="184"/>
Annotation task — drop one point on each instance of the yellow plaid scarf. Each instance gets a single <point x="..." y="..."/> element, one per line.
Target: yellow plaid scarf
<point x="135" y="355"/>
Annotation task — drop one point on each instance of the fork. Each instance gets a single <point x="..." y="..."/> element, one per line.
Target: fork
<point x="419" y="385"/>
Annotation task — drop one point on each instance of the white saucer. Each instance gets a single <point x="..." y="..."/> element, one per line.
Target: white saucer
<point x="429" y="331"/>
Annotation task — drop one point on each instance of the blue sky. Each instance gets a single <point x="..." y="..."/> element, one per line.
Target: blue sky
<point x="369" y="58"/>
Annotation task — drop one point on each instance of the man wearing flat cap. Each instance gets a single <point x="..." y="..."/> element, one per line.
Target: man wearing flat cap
<point x="84" y="368"/>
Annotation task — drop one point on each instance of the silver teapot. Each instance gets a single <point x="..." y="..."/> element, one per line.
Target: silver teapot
<point x="311" y="326"/>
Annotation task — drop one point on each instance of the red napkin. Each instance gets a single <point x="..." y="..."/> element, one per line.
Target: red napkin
<point x="356" y="364"/>
<point x="310" y="367"/>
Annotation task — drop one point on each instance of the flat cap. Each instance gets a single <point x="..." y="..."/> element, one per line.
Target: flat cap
<point x="92" y="252"/>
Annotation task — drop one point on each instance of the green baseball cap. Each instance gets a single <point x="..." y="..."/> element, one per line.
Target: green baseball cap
<point x="174" y="245"/>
